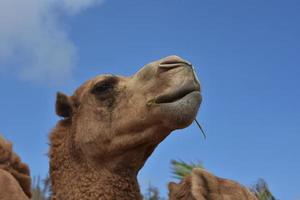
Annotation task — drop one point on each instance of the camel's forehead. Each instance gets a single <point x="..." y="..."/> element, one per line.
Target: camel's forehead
<point x="105" y="76"/>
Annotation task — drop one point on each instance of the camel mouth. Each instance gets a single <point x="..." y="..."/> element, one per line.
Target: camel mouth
<point x="177" y="94"/>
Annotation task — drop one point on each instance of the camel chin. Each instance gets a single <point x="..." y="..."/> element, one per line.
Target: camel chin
<point x="181" y="113"/>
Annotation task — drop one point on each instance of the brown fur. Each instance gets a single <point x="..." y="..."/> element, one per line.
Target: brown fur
<point x="71" y="172"/>
<point x="202" y="185"/>
<point x="15" y="181"/>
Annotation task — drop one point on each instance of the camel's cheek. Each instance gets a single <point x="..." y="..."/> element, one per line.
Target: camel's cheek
<point x="92" y="130"/>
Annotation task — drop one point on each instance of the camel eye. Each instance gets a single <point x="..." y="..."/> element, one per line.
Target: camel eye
<point x="104" y="86"/>
<point x="101" y="88"/>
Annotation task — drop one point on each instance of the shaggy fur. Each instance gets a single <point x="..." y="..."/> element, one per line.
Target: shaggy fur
<point x="15" y="181"/>
<point x="202" y="185"/>
<point x="73" y="178"/>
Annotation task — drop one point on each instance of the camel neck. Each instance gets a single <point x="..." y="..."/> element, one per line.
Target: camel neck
<point x="74" y="179"/>
<point x="91" y="185"/>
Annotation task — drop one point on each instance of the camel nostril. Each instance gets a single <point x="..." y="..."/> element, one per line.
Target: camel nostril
<point x="174" y="60"/>
<point x="168" y="65"/>
<point x="171" y="65"/>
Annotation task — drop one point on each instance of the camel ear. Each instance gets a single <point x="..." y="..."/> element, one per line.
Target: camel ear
<point x="63" y="105"/>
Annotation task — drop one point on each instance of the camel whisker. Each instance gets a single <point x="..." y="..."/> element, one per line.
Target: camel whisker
<point x="201" y="129"/>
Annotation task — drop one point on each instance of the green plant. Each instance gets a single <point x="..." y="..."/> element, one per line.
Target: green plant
<point x="152" y="193"/>
<point x="40" y="188"/>
<point x="180" y="168"/>
<point x="262" y="191"/>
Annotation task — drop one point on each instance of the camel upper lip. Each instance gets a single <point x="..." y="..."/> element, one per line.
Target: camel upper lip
<point x="177" y="94"/>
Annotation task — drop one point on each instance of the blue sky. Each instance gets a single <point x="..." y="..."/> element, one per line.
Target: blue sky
<point x="246" y="54"/>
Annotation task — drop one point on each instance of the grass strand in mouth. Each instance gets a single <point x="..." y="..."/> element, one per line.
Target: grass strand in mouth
<point x="201" y="129"/>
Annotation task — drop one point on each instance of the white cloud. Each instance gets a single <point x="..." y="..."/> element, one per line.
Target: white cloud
<point x="75" y="6"/>
<point x="32" y="40"/>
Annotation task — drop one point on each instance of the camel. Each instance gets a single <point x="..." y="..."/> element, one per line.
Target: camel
<point x="112" y="124"/>
<point x="202" y="185"/>
<point x="15" y="181"/>
<point x="109" y="127"/>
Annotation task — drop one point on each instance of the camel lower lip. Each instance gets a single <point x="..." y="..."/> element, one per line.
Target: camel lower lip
<point x="175" y="96"/>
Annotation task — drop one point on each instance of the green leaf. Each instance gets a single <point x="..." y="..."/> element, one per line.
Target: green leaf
<point x="180" y="169"/>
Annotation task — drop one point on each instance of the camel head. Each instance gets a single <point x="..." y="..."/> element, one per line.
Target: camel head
<point x="116" y="121"/>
